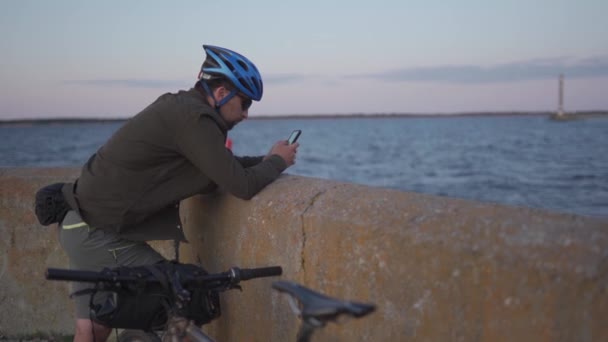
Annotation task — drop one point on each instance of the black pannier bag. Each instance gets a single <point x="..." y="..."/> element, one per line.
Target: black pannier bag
<point x="144" y="305"/>
<point x="51" y="206"/>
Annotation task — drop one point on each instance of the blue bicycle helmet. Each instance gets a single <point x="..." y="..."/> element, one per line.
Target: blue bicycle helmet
<point x="239" y="70"/>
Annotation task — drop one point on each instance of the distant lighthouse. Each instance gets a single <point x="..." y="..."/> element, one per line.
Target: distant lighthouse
<point x="560" y="104"/>
<point x="560" y="114"/>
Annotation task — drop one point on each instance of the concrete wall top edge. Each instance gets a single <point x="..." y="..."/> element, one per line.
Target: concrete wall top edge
<point x="541" y="238"/>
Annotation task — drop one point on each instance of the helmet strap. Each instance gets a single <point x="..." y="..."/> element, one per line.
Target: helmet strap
<point x="223" y="101"/>
<point x="227" y="98"/>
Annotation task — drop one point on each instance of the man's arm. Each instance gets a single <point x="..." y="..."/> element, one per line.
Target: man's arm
<point x="202" y="143"/>
<point x="249" y="161"/>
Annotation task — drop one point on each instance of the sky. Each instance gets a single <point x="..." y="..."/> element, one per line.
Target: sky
<point x="110" y="59"/>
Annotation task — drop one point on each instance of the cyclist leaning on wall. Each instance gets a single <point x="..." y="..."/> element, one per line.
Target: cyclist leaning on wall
<point x="129" y="191"/>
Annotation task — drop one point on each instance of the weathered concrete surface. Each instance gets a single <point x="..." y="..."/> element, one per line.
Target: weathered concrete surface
<point x="27" y="302"/>
<point x="438" y="268"/>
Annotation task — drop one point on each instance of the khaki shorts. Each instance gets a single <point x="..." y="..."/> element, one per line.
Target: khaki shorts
<point x="95" y="249"/>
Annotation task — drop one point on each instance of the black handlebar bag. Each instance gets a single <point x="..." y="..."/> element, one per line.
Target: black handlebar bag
<point x="143" y="305"/>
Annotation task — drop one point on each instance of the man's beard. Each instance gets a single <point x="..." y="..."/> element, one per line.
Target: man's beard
<point x="231" y="124"/>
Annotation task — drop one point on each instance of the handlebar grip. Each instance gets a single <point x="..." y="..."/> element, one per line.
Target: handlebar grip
<point x="250" y="273"/>
<point x="73" y="275"/>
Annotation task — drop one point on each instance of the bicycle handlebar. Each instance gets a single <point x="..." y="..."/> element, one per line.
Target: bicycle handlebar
<point x="261" y="272"/>
<point x="85" y="276"/>
<point x="232" y="276"/>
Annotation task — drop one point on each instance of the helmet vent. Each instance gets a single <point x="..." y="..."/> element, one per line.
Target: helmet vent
<point x="229" y="65"/>
<point x="243" y="65"/>
<point x="243" y="82"/>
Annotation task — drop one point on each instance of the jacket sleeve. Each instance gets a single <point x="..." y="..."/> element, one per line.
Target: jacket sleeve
<point x="247" y="161"/>
<point x="202" y="143"/>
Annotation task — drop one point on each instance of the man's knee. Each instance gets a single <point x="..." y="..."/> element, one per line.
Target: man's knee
<point x="85" y="329"/>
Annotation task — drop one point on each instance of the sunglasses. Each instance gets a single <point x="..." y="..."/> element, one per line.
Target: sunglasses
<point x="245" y="101"/>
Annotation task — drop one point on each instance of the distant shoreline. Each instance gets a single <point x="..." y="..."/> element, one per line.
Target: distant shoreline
<point x="76" y="120"/>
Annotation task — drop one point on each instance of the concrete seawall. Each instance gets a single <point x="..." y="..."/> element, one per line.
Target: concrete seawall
<point x="438" y="268"/>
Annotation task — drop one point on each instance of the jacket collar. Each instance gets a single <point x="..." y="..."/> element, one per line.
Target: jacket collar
<point x="199" y="94"/>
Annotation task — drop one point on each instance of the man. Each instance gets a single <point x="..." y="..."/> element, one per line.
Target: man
<point x="129" y="191"/>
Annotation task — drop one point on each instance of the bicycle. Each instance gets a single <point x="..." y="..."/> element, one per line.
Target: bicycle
<point x="314" y="309"/>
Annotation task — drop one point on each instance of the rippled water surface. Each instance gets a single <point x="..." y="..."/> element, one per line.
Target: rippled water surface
<point x="520" y="160"/>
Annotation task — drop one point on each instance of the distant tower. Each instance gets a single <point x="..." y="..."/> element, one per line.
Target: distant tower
<point x="560" y="105"/>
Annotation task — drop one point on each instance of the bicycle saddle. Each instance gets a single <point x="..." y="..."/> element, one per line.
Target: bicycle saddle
<point x="319" y="307"/>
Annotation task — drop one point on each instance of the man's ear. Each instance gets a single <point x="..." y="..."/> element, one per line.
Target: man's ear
<point x="220" y="92"/>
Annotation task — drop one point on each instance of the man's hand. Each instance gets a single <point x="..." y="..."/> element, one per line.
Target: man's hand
<point x="285" y="151"/>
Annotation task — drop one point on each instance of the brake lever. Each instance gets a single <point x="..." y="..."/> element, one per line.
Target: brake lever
<point x="235" y="279"/>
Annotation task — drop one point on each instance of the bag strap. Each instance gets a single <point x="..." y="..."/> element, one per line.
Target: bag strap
<point x="69" y="193"/>
<point x="83" y="292"/>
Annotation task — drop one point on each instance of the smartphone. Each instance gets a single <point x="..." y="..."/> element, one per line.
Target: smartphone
<point x="294" y="136"/>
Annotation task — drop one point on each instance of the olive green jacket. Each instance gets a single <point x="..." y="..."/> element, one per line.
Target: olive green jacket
<point x="173" y="149"/>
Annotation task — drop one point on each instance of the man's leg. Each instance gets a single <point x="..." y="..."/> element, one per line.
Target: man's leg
<point x="84" y="331"/>
<point x="93" y="250"/>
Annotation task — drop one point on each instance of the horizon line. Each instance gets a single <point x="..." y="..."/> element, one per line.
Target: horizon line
<point x="68" y="119"/>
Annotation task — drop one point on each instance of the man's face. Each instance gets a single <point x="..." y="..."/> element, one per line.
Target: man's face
<point x="235" y="110"/>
